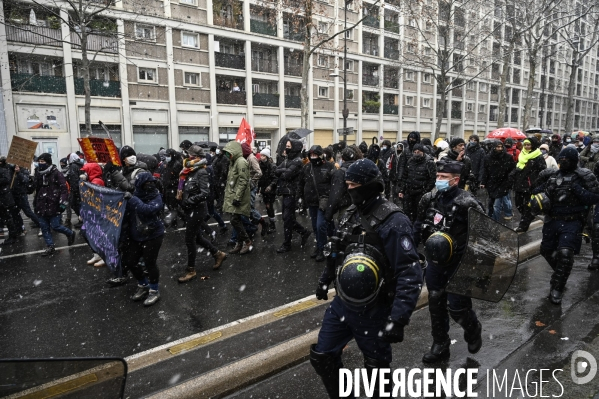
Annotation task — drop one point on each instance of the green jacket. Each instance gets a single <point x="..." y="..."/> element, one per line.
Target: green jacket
<point x="238" y="181"/>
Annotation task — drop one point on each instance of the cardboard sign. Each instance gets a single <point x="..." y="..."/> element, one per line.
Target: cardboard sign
<point x="21" y="152"/>
<point x="99" y="150"/>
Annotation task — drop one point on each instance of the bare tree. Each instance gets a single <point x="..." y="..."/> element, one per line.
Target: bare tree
<point x="450" y="39"/>
<point x="580" y="34"/>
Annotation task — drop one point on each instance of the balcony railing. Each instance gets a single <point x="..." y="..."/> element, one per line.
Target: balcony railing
<point x="371" y="50"/>
<point x="107" y="44"/>
<point x="262" y="27"/>
<point x="295" y="36"/>
<point x="391" y="26"/>
<point x="38" y="84"/>
<point x="225" y="97"/>
<point x="269" y="66"/>
<point x="390" y="109"/>
<point x="229" y="60"/>
<point x="228" y="22"/>
<point x="391" y="83"/>
<point x="266" y="100"/>
<point x="293" y="102"/>
<point x="34" y="34"/>
<point x="372" y="108"/>
<point x="456" y="114"/>
<point x="370" y="80"/>
<point x="293" y="70"/>
<point x="391" y="53"/>
<point x="100" y="88"/>
<point x="371" y="21"/>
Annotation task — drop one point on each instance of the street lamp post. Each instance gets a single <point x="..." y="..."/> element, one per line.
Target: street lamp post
<point x="345" y="110"/>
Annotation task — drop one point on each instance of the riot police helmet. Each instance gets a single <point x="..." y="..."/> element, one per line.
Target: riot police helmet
<point x="439" y="248"/>
<point x="539" y="204"/>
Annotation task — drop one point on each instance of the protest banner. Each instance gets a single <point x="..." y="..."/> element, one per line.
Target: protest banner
<point x="102" y="211"/>
<point x="21" y="152"/>
<point x="99" y="150"/>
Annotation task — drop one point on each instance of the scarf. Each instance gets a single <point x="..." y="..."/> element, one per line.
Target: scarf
<point x="594" y="148"/>
<point x="526" y="156"/>
<point x="188" y="167"/>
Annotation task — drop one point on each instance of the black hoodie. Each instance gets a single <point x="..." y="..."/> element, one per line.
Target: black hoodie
<point x="289" y="171"/>
<point x="407" y="152"/>
<point x="496" y="171"/>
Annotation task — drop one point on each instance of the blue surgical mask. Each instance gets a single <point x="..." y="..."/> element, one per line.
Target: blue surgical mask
<point x="168" y="159"/>
<point x="442" y="185"/>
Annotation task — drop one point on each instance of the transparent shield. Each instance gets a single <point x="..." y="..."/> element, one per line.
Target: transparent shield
<point x="63" y="378"/>
<point x="490" y="261"/>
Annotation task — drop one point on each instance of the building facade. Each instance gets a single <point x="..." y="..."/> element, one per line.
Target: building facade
<point x="192" y="69"/>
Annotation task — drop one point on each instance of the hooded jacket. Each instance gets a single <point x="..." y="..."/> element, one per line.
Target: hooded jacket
<point x="237" y="186"/>
<point x="6" y="198"/>
<point x="143" y="209"/>
<point x="339" y="196"/>
<point x="255" y="171"/>
<point x="555" y="148"/>
<point x="289" y="171"/>
<point x="588" y="159"/>
<point x="73" y="172"/>
<point x="51" y="191"/>
<point x="496" y="171"/>
<point x="197" y="188"/>
<point x="321" y="175"/>
<point x="419" y="176"/>
<point x="477" y="156"/>
<point x="407" y="151"/>
<point x="268" y="177"/>
<point x="524" y="179"/>
<point x="94" y="173"/>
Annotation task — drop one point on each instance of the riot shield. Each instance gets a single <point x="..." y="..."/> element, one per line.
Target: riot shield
<point x="90" y="378"/>
<point x="489" y="263"/>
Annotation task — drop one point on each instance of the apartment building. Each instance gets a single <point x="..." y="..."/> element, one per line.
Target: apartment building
<point x="192" y="69"/>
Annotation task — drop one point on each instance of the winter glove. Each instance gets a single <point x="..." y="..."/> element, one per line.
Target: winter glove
<point x="322" y="292"/>
<point x="83" y="177"/>
<point x="127" y="195"/>
<point x="236" y="203"/>
<point x="393" y="332"/>
<point x="267" y="189"/>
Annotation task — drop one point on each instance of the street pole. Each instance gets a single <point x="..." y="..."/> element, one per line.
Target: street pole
<point x="345" y="110"/>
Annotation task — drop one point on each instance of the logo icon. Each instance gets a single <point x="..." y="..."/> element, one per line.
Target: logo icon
<point x="360" y="268"/>
<point x="582" y="362"/>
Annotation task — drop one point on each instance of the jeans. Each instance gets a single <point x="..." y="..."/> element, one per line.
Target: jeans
<point x="322" y="229"/>
<point x="22" y="203"/>
<point x="213" y="213"/>
<point x="47" y="222"/>
<point x="504" y="203"/>
<point x="193" y="235"/>
<point x="254" y="214"/>
<point x="239" y="231"/>
<point x="148" y="250"/>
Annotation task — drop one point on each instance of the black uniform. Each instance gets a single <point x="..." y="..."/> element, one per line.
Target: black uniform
<point x="447" y="212"/>
<point x="419" y="178"/>
<point x="268" y="188"/>
<point x="374" y="318"/>
<point x="571" y="191"/>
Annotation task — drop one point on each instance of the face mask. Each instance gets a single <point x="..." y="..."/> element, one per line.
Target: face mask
<point x="359" y="195"/>
<point x="217" y="151"/>
<point x="544" y="152"/>
<point x="411" y="141"/>
<point x="316" y="161"/>
<point x="35" y="164"/>
<point x="568" y="140"/>
<point x="442" y="185"/>
<point x="418" y="157"/>
<point x="43" y="166"/>
<point x="63" y="168"/>
<point x="384" y="147"/>
<point x="149" y="186"/>
<point x="168" y="159"/>
<point x="132" y="160"/>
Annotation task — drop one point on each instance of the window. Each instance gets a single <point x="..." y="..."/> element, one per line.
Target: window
<point x="145" y="32"/>
<point x="470" y="86"/>
<point x="426" y="78"/>
<point x="190" y="2"/>
<point x="469" y="107"/>
<point x="147" y="75"/>
<point x="147" y="138"/>
<point x="410" y="47"/>
<point x="412" y="23"/>
<point x="426" y="102"/>
<point x="323" y="61"/>
<point x="409" y="75"/>
<point x="323" y="91"/>
<point x="483" y="87"/>
<point x="349" y="65"/>
<point x="323" y="27"/>
<point x="428" y="51"/>
<point x="192" y="78"/>
<point x="190" y="40"/>
<point x="349" y="94"/>
<point x="482" y="108"/>
<point x="410" y="100"/>
<point x="349" y="34"/>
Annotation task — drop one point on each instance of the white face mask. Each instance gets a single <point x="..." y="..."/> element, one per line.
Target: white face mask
<point x="132" y="160"/>
<point x="217" y="151"/>
<point x="168" y="159"/>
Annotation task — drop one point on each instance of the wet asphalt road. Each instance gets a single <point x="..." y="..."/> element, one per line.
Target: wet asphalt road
<point x="523" y="331"/>
<point x="61" y="307"/>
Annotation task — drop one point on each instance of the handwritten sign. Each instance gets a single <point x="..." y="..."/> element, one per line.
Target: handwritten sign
<point x="99" y="150"/>
<point x="102" y="211"/>
<point x="21" y="152"/>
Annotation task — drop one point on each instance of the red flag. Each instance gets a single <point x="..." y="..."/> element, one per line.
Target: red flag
<point x="245" y="134"/>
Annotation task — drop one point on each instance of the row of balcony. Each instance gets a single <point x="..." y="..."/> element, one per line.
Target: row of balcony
<point x="40" y="35"/>
<point x="57" y="85"/>
<point x="237" y="61"/>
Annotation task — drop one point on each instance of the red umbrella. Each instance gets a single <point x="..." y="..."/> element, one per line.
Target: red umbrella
<point x="506" y="132"/>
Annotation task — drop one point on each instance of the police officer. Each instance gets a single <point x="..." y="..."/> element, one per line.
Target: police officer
<point x="442" y="223"/>
<point x="377" y="274"/>
<point x="419" y="178"/>
<point x="567" y="194"/>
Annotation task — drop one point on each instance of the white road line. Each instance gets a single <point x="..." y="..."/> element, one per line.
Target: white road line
<point x="83" y="245"/>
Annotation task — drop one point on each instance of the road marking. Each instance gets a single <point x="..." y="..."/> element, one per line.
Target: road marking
<point x="62" y="388"/>
<point x="296" y="309"/>
<point x="83" y="245"/>
<point x="175" y="350"/>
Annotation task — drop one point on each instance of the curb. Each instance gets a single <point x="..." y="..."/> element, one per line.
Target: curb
<point x="247" y="371"/>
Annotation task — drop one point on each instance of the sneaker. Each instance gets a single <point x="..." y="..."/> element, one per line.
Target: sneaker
<point x="219" y="258"/>
<point x="100" y="263"/>
<point x="40" y="233"/>
<point x="320" y="257"/>
<point x="153" y="297"/>
<point x="141" y="293"/>
<point x="508" y="217"/>
<point x="71" y="239"/>
<point x="213" y="237"/>
<point x="237" y="249"/>
<point x="284" y="248"/>
<point x="247" y="247"/>
<point x="314" y="254"/>
<point x="95" y="259"/>
<point x="188" y="276"/>
<point x="305" y="235"/>
<point x="49" y="251"/>
<point x="117" y="281"/>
